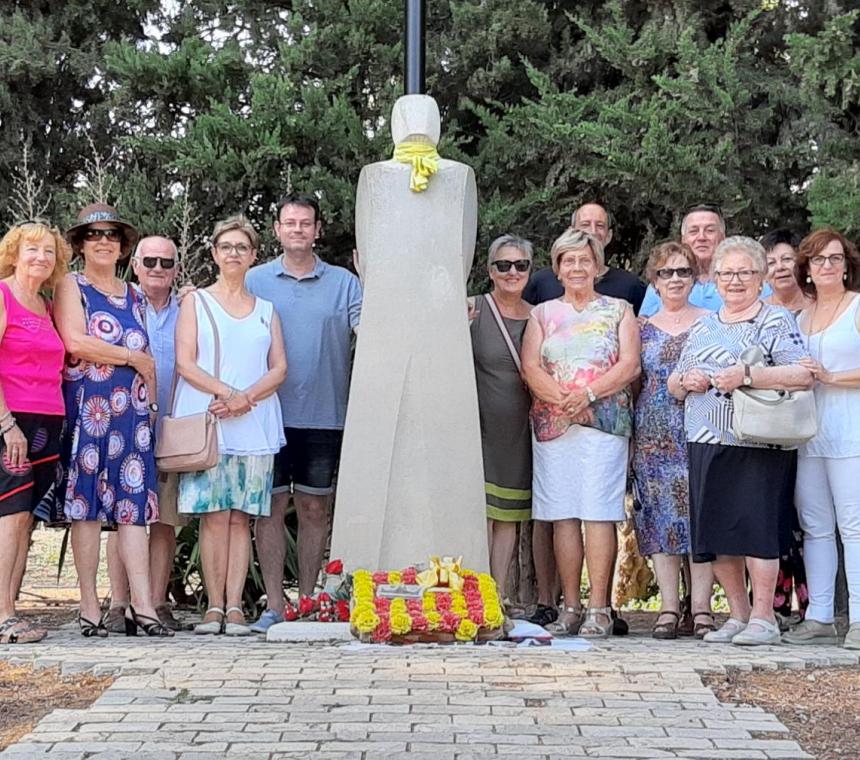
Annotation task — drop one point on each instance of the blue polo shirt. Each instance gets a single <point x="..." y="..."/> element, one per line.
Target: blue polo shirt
<point x="318" y="312"/>
<point x="161" y="331"/>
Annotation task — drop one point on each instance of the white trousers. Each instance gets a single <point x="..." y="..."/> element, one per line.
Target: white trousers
<point x="827" y="496"/>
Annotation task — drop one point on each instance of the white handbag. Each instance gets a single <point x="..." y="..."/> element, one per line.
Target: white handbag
<point x="781" y="418"/>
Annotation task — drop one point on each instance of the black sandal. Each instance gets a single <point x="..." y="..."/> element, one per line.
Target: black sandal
<point x="91" y="630"/>
<point x="150" y="626"/>
<point x="700" y="629"/>
<point x="544" y="615"/>
<point x="666" y="630"/>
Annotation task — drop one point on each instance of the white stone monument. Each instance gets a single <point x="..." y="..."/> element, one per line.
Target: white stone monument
<point x="411" y="480"/>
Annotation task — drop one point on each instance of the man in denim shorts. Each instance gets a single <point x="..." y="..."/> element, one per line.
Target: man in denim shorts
<point x="319" y="306"/>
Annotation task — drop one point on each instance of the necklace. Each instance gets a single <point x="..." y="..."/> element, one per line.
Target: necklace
<point x="832" y="316"/>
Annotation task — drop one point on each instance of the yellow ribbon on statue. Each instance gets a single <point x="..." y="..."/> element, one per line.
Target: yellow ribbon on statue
<point x="443" y="571"/>
<point x="424" y="160"/>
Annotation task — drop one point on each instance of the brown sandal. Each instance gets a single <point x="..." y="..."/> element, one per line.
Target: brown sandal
<point x="700" y="629"/>
<point x="667" y="630"/>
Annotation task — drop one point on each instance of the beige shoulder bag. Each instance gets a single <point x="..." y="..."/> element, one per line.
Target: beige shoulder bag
<point x="189" y="444"/>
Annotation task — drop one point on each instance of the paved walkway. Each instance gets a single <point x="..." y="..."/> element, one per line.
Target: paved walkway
<point x="194" y="698"/>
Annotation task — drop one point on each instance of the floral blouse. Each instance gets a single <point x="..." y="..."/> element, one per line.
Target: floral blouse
<point x="577" y="348"/>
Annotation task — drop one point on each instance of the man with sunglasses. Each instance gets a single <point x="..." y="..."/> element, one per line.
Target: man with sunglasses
<point x="592" y="218"/>
<point x="154" y="264"/>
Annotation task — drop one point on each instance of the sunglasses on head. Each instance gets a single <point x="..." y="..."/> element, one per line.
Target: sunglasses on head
<point x="683" y="272"/>
<point x="150" y="261"/>
<point x="521" y="265"/>
<point x="112" y="234"/>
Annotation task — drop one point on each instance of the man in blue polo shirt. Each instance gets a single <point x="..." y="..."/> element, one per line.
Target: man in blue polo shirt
<point x="319" y="307"/>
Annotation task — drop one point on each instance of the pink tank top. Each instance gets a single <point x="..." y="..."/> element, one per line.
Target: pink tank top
<point x="31" y="360"/>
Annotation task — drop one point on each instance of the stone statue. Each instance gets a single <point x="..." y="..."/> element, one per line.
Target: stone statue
<point x="411" y="480"/>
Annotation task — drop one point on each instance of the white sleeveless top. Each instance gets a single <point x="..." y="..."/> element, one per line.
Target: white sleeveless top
<point x="837" y="348"/>
<point x="244" y="360"/>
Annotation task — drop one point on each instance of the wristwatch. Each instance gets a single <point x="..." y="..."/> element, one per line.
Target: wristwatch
<point x="590" y="393"/>
<point x="747" y="375"/>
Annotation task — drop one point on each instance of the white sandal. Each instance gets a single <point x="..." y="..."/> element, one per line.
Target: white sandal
<point x="236" y="629"/>
<point x="213" y="626"/>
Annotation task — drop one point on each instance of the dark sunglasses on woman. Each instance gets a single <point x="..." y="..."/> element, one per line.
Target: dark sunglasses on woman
<point x="521" y="265"/>
<point x="111" y="234"/>
<point x="683" y="273"/>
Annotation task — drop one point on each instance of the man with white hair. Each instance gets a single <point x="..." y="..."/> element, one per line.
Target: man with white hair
<point x="154" y="264"/>
<point x="594" y="219"/>
<point x="703" y="229"/>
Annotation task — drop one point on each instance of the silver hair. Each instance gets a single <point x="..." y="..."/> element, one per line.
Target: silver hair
<point x="722" y="222"/>
<point x="140" y="242"/>
<point x="510" y="241"/>
<point x="574" y="240"/>
<point x="741" y="244"/>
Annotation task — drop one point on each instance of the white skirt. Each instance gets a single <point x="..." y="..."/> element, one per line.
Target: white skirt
<point x="582" y="475"/>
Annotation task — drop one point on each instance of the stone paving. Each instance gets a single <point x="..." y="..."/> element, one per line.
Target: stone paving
<point x="195" y="698"/>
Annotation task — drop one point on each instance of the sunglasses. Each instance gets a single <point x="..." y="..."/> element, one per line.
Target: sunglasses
<point x="684" y="273"/>
<point x="521" y="265"/>
<point x="150" y="261"/>
<point x="112" y="234"/>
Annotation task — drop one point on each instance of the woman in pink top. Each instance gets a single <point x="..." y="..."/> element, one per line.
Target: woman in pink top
<point x="33" y="256"/>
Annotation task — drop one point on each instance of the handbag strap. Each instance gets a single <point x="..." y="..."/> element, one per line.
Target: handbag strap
<point x="504" y="330"/>
<point x="217" y="339"/>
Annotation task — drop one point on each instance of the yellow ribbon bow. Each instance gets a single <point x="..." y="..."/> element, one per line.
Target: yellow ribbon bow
<point x="443" y="571"/>
<point x="424" y="160"/>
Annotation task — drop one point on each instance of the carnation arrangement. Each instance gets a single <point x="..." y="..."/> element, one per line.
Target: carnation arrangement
<point x="452" y="605"/>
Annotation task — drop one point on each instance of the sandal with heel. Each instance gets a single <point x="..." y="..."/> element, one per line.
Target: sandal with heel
<point x="149" y="625"/>
<point x="568" y="622"/>
<point x="91" y="630"/>
<point x="592" y="628"/>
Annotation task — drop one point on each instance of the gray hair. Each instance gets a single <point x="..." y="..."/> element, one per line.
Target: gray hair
<point x="699" y="210"/>
<point x="510" y="241"/>
<point x="575" y="240"/>
<point x="741" y="244"/>
<point x="140" y="242"/>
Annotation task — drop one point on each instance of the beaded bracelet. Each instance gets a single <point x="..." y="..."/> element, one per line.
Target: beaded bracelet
<point x="9" y="426"/>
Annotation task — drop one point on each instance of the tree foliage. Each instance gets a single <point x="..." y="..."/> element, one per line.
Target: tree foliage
<point x="202" y="108"/>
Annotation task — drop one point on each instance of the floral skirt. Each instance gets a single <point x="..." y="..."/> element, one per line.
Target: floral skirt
<point x="243" y="483"/>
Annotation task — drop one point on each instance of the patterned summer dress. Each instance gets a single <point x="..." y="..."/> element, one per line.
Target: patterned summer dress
<point x="109" y="455"/>
<point x="660" y="450"/>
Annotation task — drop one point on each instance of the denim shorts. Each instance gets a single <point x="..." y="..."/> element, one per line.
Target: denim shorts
<point x="308" y="461"/>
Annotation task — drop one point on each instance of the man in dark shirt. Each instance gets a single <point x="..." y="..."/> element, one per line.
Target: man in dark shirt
<point x="595" y="220"/>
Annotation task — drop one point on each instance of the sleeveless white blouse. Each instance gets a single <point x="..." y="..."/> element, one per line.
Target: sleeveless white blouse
<point x="244" y="360"/>
<point x="837" y="349"/>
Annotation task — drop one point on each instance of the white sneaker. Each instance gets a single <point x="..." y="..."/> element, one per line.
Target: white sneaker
<point x="758" y="633"/>
<point x="852" y="638"/>
<point x="724" y="635"/>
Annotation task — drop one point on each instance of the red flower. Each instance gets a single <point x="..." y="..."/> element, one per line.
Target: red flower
<point x="414" y="606"/>
<point x="342" y="610"/>
<point x="449" y="622"/>
<point x="326" y="614"/>
<point x="443" y="601"/>
<point x="382" y="632"/>
<point x="380" y="578"/>
<point x="335" y="567"/>
<point x="382" y="605"/>
<point x="420" y="623"/>
<point x="290" y="612"/>
<point x="409" y="576"/>
<point x="307" y="606"/>
<point x="470" y="583"/>
<point x="476" y="615"/>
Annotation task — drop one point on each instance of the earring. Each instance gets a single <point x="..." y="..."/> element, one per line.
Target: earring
<point x="808" y="278"/>
<point x="845" y="275"/>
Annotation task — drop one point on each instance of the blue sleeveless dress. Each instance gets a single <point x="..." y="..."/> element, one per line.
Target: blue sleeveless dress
<point x="109" y="453"/>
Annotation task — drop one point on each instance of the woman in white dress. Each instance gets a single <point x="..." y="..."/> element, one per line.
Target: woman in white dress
<point x="241" y="395"/>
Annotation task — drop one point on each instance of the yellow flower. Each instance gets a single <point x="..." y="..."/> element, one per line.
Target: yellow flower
<point x="466" y="631"/>
<point x="364" y="620"/>
<point x="401" y="623"/>
<point x="493" y="615"/>
<point x="398" y="607"/>
<point x="434" y="618"/>
<point x="428" y="602"/>
<point x="395" y="578"/>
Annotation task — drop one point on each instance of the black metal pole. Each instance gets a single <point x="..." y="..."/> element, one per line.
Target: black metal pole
<point x="413" y="49"/>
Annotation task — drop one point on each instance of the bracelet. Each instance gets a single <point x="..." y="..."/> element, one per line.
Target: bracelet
<point x="5" y="417"/>
<point x="8" y="427"/>
<point x="230" y="394"/>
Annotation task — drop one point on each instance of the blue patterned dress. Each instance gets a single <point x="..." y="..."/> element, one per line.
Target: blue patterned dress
<point x="660" y="450"/>
<point x="109" y="457"/>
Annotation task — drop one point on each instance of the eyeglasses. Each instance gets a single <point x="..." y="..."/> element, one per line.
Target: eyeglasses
<point x="833" y="259"/>
<point x="521" y="265"/>
<point x="225" y="249"/>
<point x="743" y="275"/>
<point x="150" y="261"/>
<point x="684" y="273"/>
<point x="112" y="234"/>
<point x="787" y="261"/>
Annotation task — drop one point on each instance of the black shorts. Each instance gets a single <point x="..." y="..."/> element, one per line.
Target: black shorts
<point x="308" y="462"/>
<point x="22" y="488"/>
